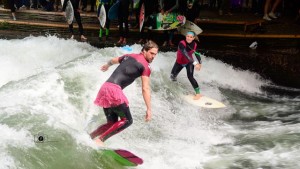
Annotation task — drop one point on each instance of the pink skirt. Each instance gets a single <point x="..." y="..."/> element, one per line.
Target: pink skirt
<point x="110" y="95"/>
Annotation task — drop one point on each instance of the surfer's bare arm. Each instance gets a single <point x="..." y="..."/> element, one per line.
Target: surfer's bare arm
<point x="110" y="63"/>
<point x="147" y="96"/>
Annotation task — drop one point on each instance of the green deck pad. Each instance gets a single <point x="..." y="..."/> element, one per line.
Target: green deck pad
<point x="121" y="160"/>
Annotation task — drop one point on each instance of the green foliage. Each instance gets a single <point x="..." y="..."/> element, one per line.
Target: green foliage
<point x="4" y="25"/>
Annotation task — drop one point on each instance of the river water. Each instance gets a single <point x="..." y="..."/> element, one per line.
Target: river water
<point x="48" y="85"/>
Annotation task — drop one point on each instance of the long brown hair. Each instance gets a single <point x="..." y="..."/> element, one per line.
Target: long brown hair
<point x="149" y="45"/>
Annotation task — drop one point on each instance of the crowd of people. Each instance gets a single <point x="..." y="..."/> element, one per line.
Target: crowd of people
<point x="268" y="9"/>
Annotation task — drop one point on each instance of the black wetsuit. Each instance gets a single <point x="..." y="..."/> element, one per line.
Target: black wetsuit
<point x="129" y="69"/>
<point x="131" y="66"/>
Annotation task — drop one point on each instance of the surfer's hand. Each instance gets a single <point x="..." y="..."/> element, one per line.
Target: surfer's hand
<point x="104" y="67"/>
<point x="198" y="67"/>
<point x="148" y="115"/>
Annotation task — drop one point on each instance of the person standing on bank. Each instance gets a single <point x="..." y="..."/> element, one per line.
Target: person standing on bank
<point x="12" y="9"/>
<point x="107" y="4"/>
<point x="75" y="4"/>
<point x="111" y="96"/>
<point x="272" y="12"/>
<point x="168" y="6"/>
<point x="123" y="13"/>
<point x="186" y="49"/>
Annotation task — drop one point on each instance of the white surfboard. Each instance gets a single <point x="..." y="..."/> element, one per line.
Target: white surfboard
<point x="204" y="101"/>
<point x="101" y="14"/>
<point x="189" y="26"/>
<point x="69" y="11"/>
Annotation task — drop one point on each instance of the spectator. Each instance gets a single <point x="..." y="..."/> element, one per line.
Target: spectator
<point x="190" y="9"/>
<point x="48" y="5"/>
<point x="75" y="4"/>
<point x="225" y="7"/>
<point x="25" y="4"/>
<point x="257" y="7"/>
<point x="84" y="5"/>
<point x="268" y="15"/>
<point x="123" y="14"/>
<point x="35" y="4"/>
<point x="12" y="9"/>
<point x="168" y="6"/>
<point x="107" y="4"/>
<point x="151" y="7"/>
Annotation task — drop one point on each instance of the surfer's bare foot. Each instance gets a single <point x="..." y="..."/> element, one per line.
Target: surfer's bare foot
<point x="197" y="96"/>
<point x="99" y="142"/>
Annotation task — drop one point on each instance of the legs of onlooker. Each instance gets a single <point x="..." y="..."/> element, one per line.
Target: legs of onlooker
<point x="34" y="4"/>
<point x="267" y="8"/>
<point x="57" y="2"/>
<point x="84" y="5"/>
<point x="225" y="7"/>
<point x="12" y="9"/>
<point x="257" y="7"/>
<point x="168" y="37"/>
<point x="123" y="18"/>
<point x="80" y="27"/>
<point x="93" y="2"/>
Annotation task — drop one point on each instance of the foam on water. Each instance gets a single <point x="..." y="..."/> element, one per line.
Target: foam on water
<point x="51" y="88"/>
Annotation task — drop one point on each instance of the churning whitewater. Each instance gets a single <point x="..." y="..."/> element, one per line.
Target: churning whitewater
<point x="48" y="85"/>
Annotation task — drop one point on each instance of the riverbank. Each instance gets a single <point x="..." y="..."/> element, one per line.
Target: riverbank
<point x="229" y="33"/>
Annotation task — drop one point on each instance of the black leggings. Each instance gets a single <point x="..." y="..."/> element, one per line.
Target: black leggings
<point x="123" y="14"/>
<point x="189" y="70"/>
<point x="78" y="20"/>
<point x="12" y="5"/>
<point x="107" y="7"/>
<point x="113" y="125"/>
